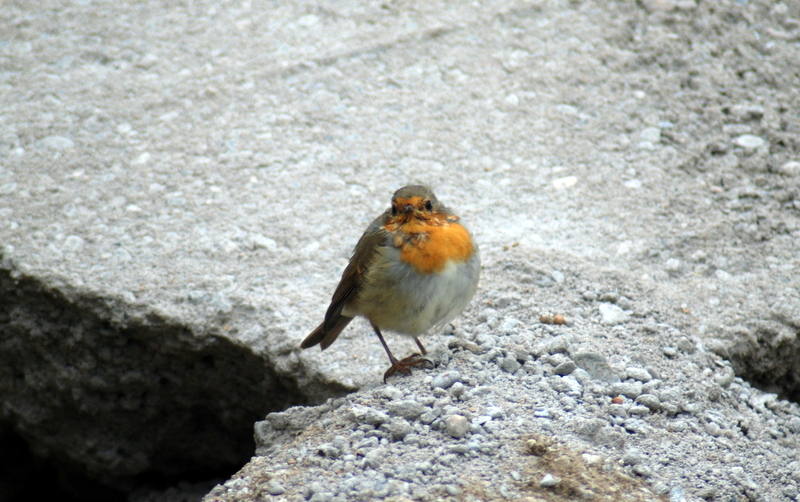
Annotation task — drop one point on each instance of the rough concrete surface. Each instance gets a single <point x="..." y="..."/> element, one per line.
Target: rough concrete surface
<point x="181" y="184"/>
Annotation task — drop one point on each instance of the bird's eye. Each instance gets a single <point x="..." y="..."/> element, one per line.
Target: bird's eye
<point x="394" y="210"/>
<point x="428" y="206"/>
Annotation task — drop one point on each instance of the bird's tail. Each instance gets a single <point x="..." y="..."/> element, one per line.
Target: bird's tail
<point x="324" y="338"/>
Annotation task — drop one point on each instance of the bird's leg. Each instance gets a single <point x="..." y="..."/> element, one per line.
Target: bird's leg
<point x="421" y="356"/>
<point x="404" y="364"/>
<point x="421" y="348"/>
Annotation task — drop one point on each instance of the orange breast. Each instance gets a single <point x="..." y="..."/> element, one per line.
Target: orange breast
<point x="428" y="247"/>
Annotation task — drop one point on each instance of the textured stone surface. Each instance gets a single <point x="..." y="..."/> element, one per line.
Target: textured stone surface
<point x="181" y="184"/>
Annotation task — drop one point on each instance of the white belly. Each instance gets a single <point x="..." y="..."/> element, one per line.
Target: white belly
<point x="403" y="301"/>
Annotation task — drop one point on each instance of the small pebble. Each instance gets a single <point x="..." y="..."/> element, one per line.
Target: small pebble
<point x="612" y="315"/>
<point x="640" y="374"/>
<point x="649" y="400"/>
<point x="631" y="458"/>
<point x="458" y="389"/>
<point x="445" y="380"/>
<point x="630" y="390"/>
<point x="596" y="365"/>
<point x="56" y="143"/>
<point x="457" y="426"/>
<point x="791" y="168"/>
<point x="651" y="134"/>
<point x="661" y="489"/>
<point x="677" y="495"/>
<point x="275" y="488"/>
<point x="407" y="409"/>
<point x="510" y="364"/>
<point x="610" y="297"/>
<point x="748" y="141"/>
<point x="549" y="481"/>
<point x="558" y="345"/>
<point x="565" y="368"/>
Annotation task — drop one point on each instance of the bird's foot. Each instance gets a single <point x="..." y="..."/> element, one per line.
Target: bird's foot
<point x="404" y="365"/>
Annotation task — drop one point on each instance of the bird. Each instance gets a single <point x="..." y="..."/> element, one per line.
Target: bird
<point x="416" y="267"/>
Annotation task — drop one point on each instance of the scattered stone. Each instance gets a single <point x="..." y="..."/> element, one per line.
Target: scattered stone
<point x="639" y="374"/>
<point x="651" y="135"/>
<point x="610" y="297"/>
<point x="565" y="368"/>
<point x="649" y="400"/>
<point x="445" y="380"/>
<point x="408" y="409"/>
<point x="791" y="168"/>
<point x="397" y="428"/>
<point x="748" y="141"/>
<point x="558" y="345"/>
<point x="549" y="481"/>
<point x="510" y="364"/>
<point x="596" y="365"/>
<point x="612" y="315"/>
<point x="375" y="417"/>
<point x="56" y="143"/>
<point x="457" y="426"/>
<point x="630" y="390"/>
<point x="631" y="458"/>
<point x="275" y="488"/>
<point x="686" y="345"/>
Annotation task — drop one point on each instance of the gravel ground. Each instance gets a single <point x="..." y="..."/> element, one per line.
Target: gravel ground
<point x="620" y="405"/>
<point x="181" y="184"/>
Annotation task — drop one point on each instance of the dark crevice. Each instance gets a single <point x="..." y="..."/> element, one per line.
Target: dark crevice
<point x="107" y="402"/>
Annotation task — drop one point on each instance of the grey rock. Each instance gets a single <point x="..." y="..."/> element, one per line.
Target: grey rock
<point x="639" y="374"/>
<point x="456" y="425"/>
<point x="612" y="315"/>
<point x="610" y="297"/>
<point x="618" y="410"/>
<point x="748" y="141"/>
<point x="328" y="450"/>
<point x="676" y="494"/>
<point x="275" y="488"/>
<point x="565" y="368"/>
<point x="628" y="389"/>
<point x="458" y="389"/>
<point x="510" y="364"/>
<point x="397" y="428"/>
<point x="686" y="345"/>
<point x="549" y="481"/>
<point x="429" y="416"/>
<point x="632" y="458"/>
<point x="445" y="380"/>
<point x="56" y="143"/>
<point x="558" y="345"/>
<point x="596" y="365"/>
<point x="650" y="401"/>
<point x="375" y="417"/>
<point x="407" y="409"/>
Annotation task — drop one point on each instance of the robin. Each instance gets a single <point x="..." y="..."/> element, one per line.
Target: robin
<point x="415" y="268"/>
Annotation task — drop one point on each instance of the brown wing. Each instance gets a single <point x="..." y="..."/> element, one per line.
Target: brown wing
<point x="353" y="274"/>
